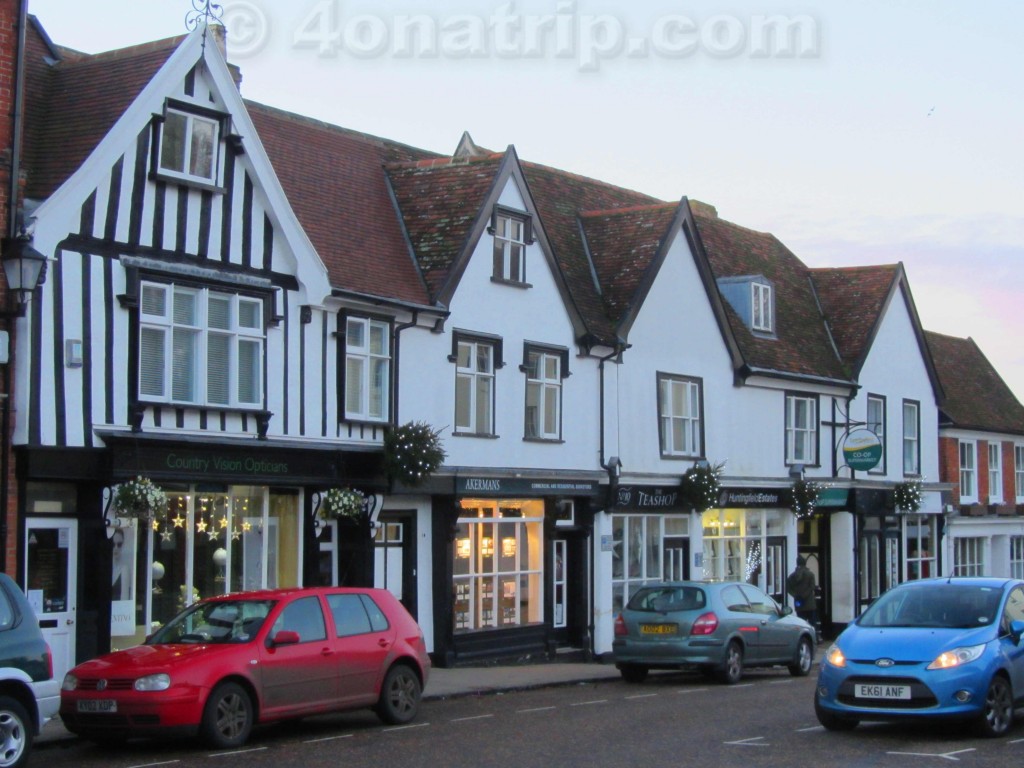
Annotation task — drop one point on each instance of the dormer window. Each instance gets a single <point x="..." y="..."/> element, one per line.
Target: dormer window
<point x="188" y="144"/>
<point x="761" y="307"/>
<point x="512" y="232"/>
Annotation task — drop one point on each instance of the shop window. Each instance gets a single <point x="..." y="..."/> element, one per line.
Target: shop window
<point x="680" y="416"/>
<point x="189" y="143"/>
<point x="367" y="369"/>
<point x="968" y="476"/>
<point x="545" y="369"/>
<point x="1017" y="557"/>
<point x="921" y="535"/>
<point x="911" y="438"/>
<point x="876" y="423"/>
<point x="801" y="430"/>
<point x="995" y="473"/>
<point x="498" y="564"/>
<point x="200" y="346"/>
<point x="969" y="556"/>
<point x="639" y="553"/>
<point x="745" y="545"/>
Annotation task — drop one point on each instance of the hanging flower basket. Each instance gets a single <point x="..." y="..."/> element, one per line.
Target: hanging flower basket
<point x="805" y="498"/>
<point x="139" y="498"/>
<point x="343" y="503"/>
<point x="907" y="496"/>
<point x="702" y="485"/>
<point x="412" y="452"/>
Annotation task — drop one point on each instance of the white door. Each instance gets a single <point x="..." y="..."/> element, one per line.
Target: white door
<point x="51" y="563"/>
<point x="387" y="557"/>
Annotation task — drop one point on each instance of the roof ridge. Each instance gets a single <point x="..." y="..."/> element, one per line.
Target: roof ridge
<point x="588" y="179"/>
<point x="445" y="161"/>
<point x="81" y="57"/>
<point x="856" y="268"/>
<point x="628" y="209"/>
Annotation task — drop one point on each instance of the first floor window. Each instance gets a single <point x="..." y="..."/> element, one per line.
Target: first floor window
<point x="543" y="394"/>
<point x="188" y="145"/>
<point x="801" y="429"/>
<point x="911" y="438"/>
<point x="1018" y="461"/>
<point x="367" y="368"/>
<point x="498" y="564"/>
<point x="969" y="556"/>
<point x="200" y="346"/>
<point x="474" y="387"/>
<point x="968" y="486"/>
<point x="679" y="412"/>
<point x="510" y="239"/>
<point x="876" y="423"/>
<point x="995" y="473"/>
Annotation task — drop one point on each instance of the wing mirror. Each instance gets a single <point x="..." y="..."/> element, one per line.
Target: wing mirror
<point x="285" y="637"/>
<point x="1016" y="630"/>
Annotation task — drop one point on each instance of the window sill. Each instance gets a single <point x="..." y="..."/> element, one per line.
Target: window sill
<point x="187" y="181"/>
<point x="681" y="457"/>
<point x="548" y="440"/>
<point x="483" y="435"/>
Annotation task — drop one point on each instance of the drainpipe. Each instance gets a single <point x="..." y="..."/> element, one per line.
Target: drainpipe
<point x="13" y="218"/>
<point x="398" y="330"/>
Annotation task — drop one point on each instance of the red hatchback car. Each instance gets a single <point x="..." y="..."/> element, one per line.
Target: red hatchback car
<point x="229" y="662"/>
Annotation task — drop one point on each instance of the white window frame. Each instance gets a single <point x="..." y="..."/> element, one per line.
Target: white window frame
<point x="367" y="369"/>
<point x="761" y="309"/>
<point x="680" y="409"/>
<point x="478" y="384"/>
<point x="995" y="473"/>
<point x="1018" y="472"/>
<point x="510" y="241"/>
<point x="543" y="414"/>
<point x="177" y="335"/>
<point x="1017" y="557"/>
<point x="969" y="556"/>
<point x="193" y="122"/>
<point x="968" y="471"/>
<point x="911" y="438"/>
<point x="875" y="422"/>
<point x="802" y="439"/>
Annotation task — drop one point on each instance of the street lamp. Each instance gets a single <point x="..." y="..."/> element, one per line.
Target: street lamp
<point x="23" y="267"/>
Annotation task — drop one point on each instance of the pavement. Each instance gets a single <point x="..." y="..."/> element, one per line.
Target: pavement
<point x="455" y="681"/>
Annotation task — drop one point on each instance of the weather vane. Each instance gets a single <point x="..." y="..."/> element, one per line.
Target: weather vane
<point x="203" y="11"/>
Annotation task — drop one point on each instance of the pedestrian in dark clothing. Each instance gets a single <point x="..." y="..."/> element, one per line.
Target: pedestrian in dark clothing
<point x="801" y="584"/>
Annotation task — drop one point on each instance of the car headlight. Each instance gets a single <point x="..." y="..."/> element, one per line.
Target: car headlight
<point x="160" y="682"/>
<point x="835" y="657"/>
<point x="956" y="657"/>
<point x="70" y="683"/>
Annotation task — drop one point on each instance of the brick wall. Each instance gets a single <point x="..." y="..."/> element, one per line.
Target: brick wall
<point x="949" y="464"/>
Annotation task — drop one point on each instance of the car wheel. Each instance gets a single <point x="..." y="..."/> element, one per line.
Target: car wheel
<point x="732" y="670"/>
<point x="997" y="714"/>
<point x="15" y="733"/>
<point x="399" y="696"/>
<point x="633" y="673"/>
<point x="227" y="717"/>
<point x="831" y="722"/>
<point x="801" y="666"/>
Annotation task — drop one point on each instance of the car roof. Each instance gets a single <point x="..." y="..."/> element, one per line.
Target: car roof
<point x="970" y="581"/>
<point x="284" y="592"/>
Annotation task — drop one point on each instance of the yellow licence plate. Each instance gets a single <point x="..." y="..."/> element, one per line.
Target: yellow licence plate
<point x="658" y="629"/>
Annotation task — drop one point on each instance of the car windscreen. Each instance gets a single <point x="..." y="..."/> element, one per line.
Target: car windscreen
<point x="938" y="605"/>
<point x="668" y="598"/>
<point x="220" y="621"/>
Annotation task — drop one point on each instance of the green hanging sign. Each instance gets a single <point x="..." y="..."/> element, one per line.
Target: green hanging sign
<point x="862" y="450"/>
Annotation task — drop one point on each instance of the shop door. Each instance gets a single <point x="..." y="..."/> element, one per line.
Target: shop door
<point x="51" y="565"/>
<point x="676" y="558"/>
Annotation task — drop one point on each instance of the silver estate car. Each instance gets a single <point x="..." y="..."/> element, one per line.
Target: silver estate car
<point x="717" y="627"/>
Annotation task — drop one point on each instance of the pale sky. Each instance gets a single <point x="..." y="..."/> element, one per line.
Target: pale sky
<point x="871" y="132"/>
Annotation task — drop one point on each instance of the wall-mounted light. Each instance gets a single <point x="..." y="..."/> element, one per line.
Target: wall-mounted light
<point x="463" y="548"/>
<point x="796" y="472"/>
<point x="487" y="546"/>
<point x="508" y="546"/>
<point x="24" y="268"/>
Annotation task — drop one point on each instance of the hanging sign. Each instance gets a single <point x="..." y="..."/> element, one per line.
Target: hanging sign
<point x="862" y="450"/>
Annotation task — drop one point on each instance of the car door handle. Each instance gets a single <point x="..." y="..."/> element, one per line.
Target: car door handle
<point x="326" y="651"/>
<point x="383" y="643"/>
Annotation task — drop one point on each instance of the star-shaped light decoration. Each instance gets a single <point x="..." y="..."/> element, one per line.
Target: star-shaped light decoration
<point x="223" y="522"/>
<point x="201" y="526"/>
<point x="156" y="525"/>
<point x="167" y="534"/>
<point x="179" y="521"/>
<point x="236" y="534"/>
<point x="213" y="534"/>
<point x="246" y="526"/>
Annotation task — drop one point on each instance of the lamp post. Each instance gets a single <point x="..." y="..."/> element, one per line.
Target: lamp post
<point x="24" y="268"/>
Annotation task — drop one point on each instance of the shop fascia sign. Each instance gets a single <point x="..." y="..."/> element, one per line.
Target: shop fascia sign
<point x="647" y="497"/>
<point x="520" y="486"/>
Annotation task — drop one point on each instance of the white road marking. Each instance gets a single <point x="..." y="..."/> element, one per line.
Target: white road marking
<point x="396" y="729"/>
<point x="811" y="728"/>
<point x="691" y="690"/>
<point x="641" y="696"/>
<point x="944" y="755"/>
<point x="237" y="752"/>
<point x="149" y="765"/>
<point x="589" y="703"/>
<point x="535" y="709"/>
<point x="755" y="741"/>
<point x="465" y="719"/>
<point x="737" y="687"/>
<point x="328" y="738"/>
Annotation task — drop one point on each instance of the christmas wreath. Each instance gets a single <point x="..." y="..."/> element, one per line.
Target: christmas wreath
<point x="412" y="452"/>
<point x="139" y="498"/>
<point x="343" y="502"/>
<point x="702" y="485"/>
<point x="907" y="496"/>
<point x="805" y="498"/>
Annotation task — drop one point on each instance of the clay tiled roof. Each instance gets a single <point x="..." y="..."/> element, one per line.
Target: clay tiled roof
<point x="976" y="396"/>
<point x="801" y="345"/>
<point x="71" y="105"/>
<point x="334" y="180"/>
<point x="561" y="198"/>
<point x="623" y="244"/>
<point x="440" y="200"/>
<point x="853" y="299"/>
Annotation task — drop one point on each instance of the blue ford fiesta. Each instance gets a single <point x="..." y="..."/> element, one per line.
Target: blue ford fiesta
<point x="938" y="648"/>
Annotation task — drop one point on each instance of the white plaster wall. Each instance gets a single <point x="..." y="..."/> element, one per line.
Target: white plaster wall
<point x="516" y="315"/>
<point x="844" y="604"/>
